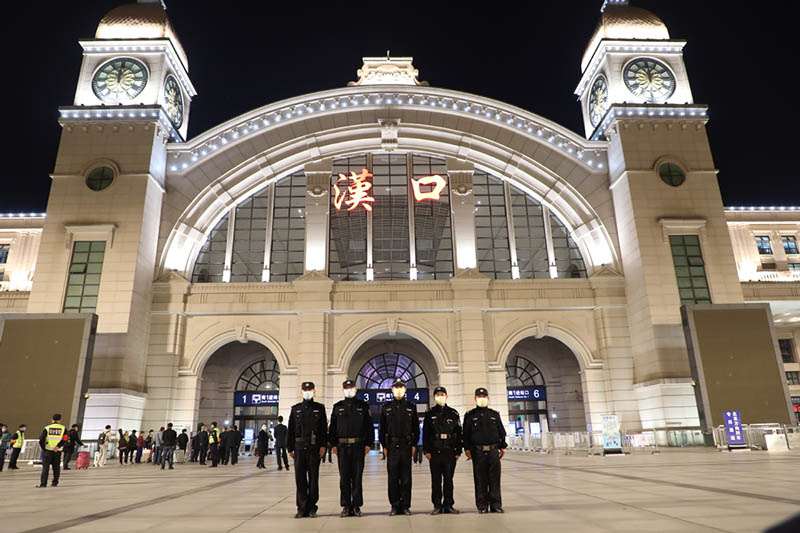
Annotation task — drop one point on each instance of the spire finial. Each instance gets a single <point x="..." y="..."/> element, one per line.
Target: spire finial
<point x="388" y="55"/>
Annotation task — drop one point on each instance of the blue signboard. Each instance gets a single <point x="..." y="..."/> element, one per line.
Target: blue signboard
<point x="521" y="394"/>
<point x="733" y="428"/>
<point x="385" y="395"/>
<point x="255" y="398"/>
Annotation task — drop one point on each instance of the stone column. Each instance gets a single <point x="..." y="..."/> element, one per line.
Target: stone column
<point x="318" y="185"/>
<point x="311" y="350"/>
<point x="462" y="206"/>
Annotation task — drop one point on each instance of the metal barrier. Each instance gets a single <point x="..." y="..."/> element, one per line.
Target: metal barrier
<point x="769" y="437"/>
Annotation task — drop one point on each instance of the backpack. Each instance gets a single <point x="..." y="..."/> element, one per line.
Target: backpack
<point x="101" y="439"/>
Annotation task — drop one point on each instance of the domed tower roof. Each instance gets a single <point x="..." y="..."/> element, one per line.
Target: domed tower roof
<point x="142" y="20"/>
<point x="621" y="21"/>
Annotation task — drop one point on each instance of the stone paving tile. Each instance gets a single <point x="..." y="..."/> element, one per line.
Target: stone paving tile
<point x="686" y="490"/>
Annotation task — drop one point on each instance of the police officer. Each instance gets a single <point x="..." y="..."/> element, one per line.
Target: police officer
<point x="17" y="442"/>
<point x="306" y="440"/>
<point x="485" y="443"/>
<point x="441" y="442"/>
<point x="53" y="438"/>
<point x="350" y="436"/>
<point x="398" y="434"/>
<point x="213" y="444"/>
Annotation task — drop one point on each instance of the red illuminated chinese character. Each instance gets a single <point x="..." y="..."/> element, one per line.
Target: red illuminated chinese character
<point x="357" y="192"/>
<point x="436" y="180"/>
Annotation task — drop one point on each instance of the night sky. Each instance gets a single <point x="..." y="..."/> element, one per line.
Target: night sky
<point x="741" y="58"/>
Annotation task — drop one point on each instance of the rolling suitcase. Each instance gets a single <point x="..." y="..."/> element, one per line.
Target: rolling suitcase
<point x="82" y="461"/>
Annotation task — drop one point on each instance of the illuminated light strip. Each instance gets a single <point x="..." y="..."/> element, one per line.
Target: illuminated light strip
<point x="181" y="160"/>
<point x="23" y="215"/>
<point x="690" y="111"/>
<point x="763" y="208"/>
<point x="106" y="113"/>
<point x="101" y="46"/>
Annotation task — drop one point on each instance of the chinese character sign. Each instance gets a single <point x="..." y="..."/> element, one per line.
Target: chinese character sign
<point x="354" y="190"/>
<point x="256" y="398"/>
<point x="374" y="396"/>
<point x="519" y="394"/>
<point x="436" y="184"/>
<point x="733" y="428"/>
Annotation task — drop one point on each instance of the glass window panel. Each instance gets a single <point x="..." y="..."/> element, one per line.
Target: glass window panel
<point x="347" y="260"/>
<point x="569" y="262"/>
<point x="248" y="237"/>
<point x="692" y="282"/>
<point x="494" y="258"/>
<point x="209" y="266"/>
<point x="85" y="254"/>
<point x="432" y="224"/>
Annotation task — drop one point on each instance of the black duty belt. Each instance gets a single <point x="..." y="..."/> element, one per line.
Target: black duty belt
<point x="301" y="440"/>
<point x="400" y="440"/>
<point x="442" y="436"/>
<point x="485" y="447"/>
<point x="349" y="440"/>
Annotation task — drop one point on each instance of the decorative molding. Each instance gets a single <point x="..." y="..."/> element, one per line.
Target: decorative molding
<point x="392" y="323"/>
<point x="103" y="232"/>
<point x="682" y="226"/>
<point x="387" y="71"/>
<point x="389" y="128"/>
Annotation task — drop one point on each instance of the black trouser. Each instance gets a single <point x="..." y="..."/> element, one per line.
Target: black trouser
<point x="12" y="463"/>
<point x="261" y="453"/>
<point x="223" y="454"/>
<point x="418" y="454"/>
<point x="486" y="472"/>
<point x="50" y="459"/>
<point x="351" y="469"/>
<point x="67" y="456"/>
<point x="2" y="456"/>
<point x="280" y="451"/>
<point x="443" y="466"/>
<point x="213" y="451"/>
<point x="306" y="476"/>
<point x="234" y="451"/>
<point x="202" y="455"/>
<point x="398" y="463"/>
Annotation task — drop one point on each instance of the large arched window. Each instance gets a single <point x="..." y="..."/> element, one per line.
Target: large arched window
<point x="522" y="373"/>
<point x="260" y="376"/>
<point x="381" y="371"/>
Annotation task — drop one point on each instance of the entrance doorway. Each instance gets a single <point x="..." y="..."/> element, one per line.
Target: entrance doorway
<point x="255" y="400"/>
<point x="527" y="396"/>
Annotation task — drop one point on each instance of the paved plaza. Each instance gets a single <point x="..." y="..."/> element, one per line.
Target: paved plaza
<point x="681" y="490"/>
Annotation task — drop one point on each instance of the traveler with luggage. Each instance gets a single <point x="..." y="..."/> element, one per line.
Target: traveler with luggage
<point x="73" y="442"/>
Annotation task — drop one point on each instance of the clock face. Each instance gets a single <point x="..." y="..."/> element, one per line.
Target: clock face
<point x="119" y="80"/>
<point x="598" y="100"/>
<point x="649" y="79"/>
<point x="173" y="101"/>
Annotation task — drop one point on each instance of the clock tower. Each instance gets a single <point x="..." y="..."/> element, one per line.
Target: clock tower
<point x="673" y="235"/>
<point x="100" y="237"/>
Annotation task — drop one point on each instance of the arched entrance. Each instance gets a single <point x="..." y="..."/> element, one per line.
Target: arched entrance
<point x="240" y="386"/>
<point x="383" y="359"/>
<point x="545" y="389"/>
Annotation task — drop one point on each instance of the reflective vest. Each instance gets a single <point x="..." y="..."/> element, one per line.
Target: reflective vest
<point x="55" y="434"/>
<point x="20" y="439"/>
<point x="215" y="433"/>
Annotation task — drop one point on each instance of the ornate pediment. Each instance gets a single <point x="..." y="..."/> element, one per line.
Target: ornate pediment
<point x="387" y="71"/>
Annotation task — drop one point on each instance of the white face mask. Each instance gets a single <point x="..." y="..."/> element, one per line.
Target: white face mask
<point x="399" y="392"/>
<point x="482" y="401"/>
<point x="441" y="399"/>
<point x="349" y="392"/>
<point x="308" y="394"/>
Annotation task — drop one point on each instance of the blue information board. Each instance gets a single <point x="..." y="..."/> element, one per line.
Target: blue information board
<point x="733" y="428"/>
<point x="385" y="395"/>
<point x="521" y="394"/>
<point x="255" y="398"/>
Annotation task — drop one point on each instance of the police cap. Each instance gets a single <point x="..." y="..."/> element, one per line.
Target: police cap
<point x="480" y="391"/>
<point x="57" y="417"/>
<point x="439" y="389"/>
<point x="398" y="383"/>
<point x="307" y="385"/>
<point x="348" y="383"/>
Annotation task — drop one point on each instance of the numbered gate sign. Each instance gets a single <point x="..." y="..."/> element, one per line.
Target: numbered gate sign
<point x="385" y="395"/>
<point x="523" y="394"/>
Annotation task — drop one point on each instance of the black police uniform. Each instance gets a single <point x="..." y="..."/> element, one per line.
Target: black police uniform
<point x="441" y="437"/>
<point x="398" y="433"/>
<point x="306" y="436"/>
<point x="350" y="432"/>
<point x="484" y="437"/>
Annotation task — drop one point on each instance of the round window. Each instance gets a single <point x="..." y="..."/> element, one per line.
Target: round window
<point x="100" y="178"/>
<point x="671" y="174"/>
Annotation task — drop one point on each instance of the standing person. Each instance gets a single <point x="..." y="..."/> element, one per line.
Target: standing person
<point x="213" y="445"/>
<point x="485" y="443"/>
<point x="399" y="433"/>
<point x="263" y="444"/>
<point x="157" y="450"/>
<point x="133" y="441"/>
<point x="139" y="447"/>
<point x="203" y="443"/>
<point x="5" y="442"/>
<point x="183" y="441"/>
<point x="17" y="442"/>
<point x="101" y="454"/>
<point x="280" y="443"/>
<point x="169" y="439"/>
<point x="224" y="445"/>
<point x="195" y="443"/>
<point x="73" y="442"/>
<point x="350" y="436"/>
<point x="122" y="445"/>
<point x="418" y="451"/>
<point x="53" y="438"/>
<point x="148" y="445"/>
<point x="441" y="442"/>
<point x="234" y="442"/>
<point x="306" y="439"/>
